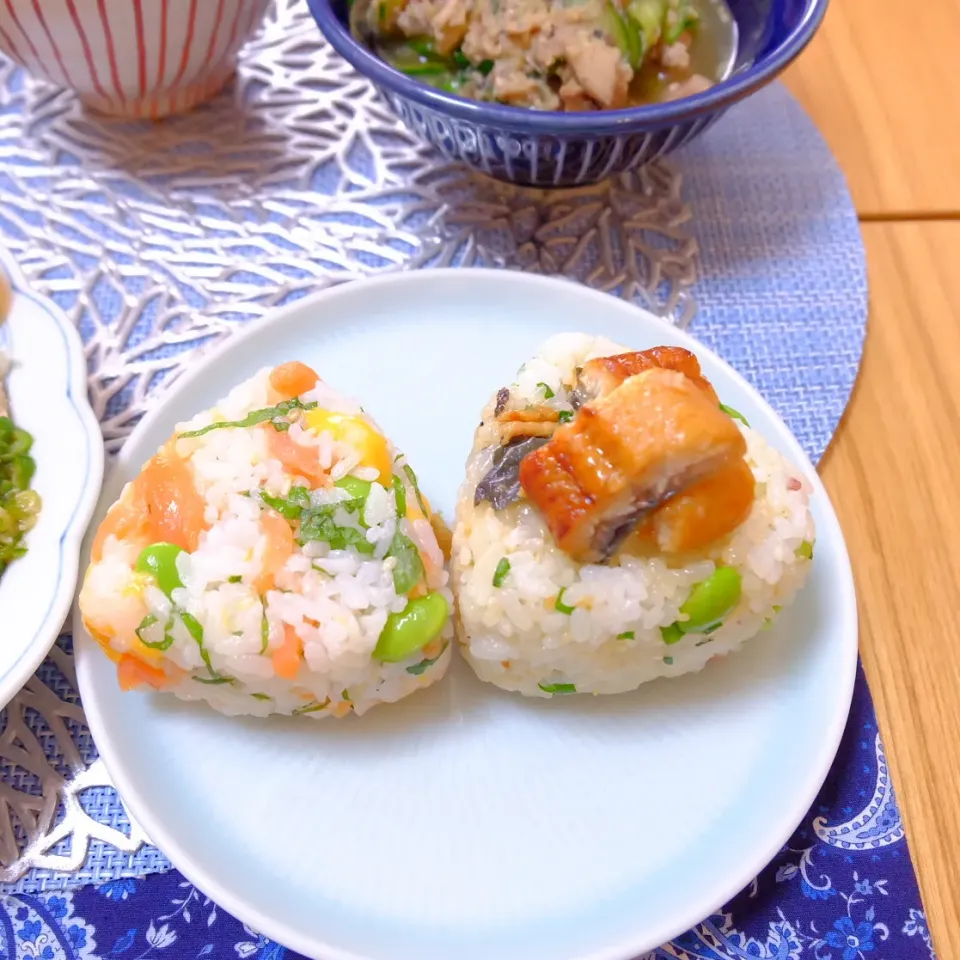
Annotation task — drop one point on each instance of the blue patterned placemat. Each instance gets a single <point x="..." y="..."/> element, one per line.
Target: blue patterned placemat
<point x="843" y="888"/>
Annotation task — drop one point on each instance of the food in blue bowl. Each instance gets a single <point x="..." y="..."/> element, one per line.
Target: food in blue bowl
<point x="553" y="94"/>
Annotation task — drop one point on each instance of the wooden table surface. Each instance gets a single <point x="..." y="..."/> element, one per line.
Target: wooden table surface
<point x="881" y="81"/>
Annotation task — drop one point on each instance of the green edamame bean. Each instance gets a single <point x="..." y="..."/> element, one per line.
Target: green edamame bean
<point x="420" y="621"/>
<point x="671" y="634"/>
<point x="160" y="561"/>
<point x="710" y="601"/>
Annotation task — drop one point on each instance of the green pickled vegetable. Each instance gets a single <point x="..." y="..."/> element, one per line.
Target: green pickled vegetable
<point x="19" y="505"/>
<point x="805" y="550"/>
<point x="557" y="687"/>
<point x="409" y="631"/>
<point x="710" y="601"/>
<point x="159" y="561"/>
<point x="500" y="574"/>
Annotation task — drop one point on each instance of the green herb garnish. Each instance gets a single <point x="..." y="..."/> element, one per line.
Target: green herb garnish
<point x="561" y="606"/>
<point x="557" y="687"/>
<point x="400" y="494"/>
<point x="264" y="629"/>
<point x="418" y="668"/>
<point x="668" y="661"/>
<point x="500" y="574"/>
<point x="409" y="567"/>
<point x="260" y="696"/>
<point x="412" y="477"/>
<point x="313" y="707"/>
<point x="626" y="635"/>
<point x="565" y="416"/>
<point x="196" y="631"/>
<point x="485" y="66"/>
<point x="318" y="524"/>
<point x="345" y="695"/>
<point x="547" y="392"/>
<point x="214" y="681"/>
<point x="235" y="579"/>
<point x="291" y="506"/>
<point x="277" y="416"/>
<point x="148" y="621"/>
<point x="805" y="550"/>
<point x="736" y="414"/>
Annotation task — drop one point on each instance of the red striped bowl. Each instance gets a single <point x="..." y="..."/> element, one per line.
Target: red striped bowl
<point x="134" y="58"/>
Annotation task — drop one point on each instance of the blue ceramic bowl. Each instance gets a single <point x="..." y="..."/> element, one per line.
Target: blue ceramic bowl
<point x="546" y="149"/>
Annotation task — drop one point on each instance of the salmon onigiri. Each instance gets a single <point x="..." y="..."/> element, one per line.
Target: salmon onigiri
<point x="619" y="523"/>
<point x="276" y="556"/>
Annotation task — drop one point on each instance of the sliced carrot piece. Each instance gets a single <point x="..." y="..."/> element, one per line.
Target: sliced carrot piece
<point x="286" y="658"/>
<point x="296" y="457"/>
<point x="277" y="551"/>
<point x="133" y="673"/>
<point x="292" y="379"/>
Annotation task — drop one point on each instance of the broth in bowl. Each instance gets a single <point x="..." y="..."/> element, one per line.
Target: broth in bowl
<point x="553" y="55"/>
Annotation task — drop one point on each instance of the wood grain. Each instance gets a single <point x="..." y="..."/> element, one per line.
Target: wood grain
<point x="881" y="80"/>
<point x="893" y="473"/>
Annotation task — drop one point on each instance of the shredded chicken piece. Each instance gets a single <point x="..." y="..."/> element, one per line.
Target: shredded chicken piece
<point x="601" y="71"/>
<point x="688" y="87"/>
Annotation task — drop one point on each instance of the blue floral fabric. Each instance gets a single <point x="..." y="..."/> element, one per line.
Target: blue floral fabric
<point x="843" y="888"/>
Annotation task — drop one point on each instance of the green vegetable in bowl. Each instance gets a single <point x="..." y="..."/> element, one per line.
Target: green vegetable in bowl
<point x="19" y="505"/>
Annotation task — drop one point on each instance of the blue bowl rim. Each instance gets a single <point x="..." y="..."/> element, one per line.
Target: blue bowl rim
<point x="606" y="122"/>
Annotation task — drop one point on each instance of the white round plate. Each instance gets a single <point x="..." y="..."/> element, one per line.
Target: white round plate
<point x="47" y="389"/>
<point x="465" y="823"/>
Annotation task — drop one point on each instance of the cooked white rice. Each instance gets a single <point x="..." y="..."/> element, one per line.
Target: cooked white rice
<point x="513" y="635"/>
<point x="337" y="601"/>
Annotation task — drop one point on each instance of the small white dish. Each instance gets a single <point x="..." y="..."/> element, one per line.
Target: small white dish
<point x="464" y="822"/>
<point x="47" y="388"/>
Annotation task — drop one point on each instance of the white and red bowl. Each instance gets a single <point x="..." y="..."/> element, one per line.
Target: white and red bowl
<point x="134" y="58"/>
